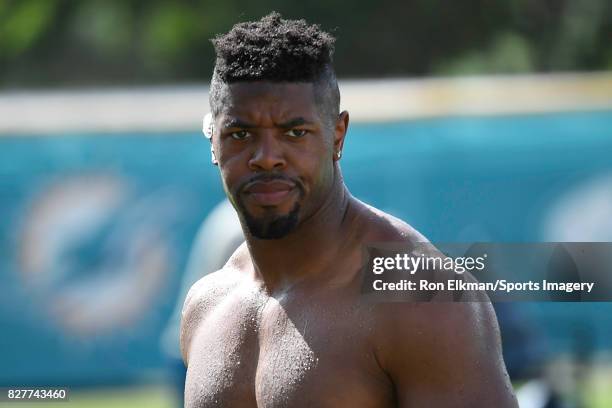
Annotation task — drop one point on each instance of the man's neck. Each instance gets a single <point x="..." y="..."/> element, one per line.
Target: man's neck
<point x="308" y="250"/>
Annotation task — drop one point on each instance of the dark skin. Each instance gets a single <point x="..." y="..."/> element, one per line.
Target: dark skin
<point x="284" y="323"/>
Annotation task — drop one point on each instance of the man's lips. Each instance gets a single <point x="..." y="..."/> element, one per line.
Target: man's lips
<point x="268" y="193"/>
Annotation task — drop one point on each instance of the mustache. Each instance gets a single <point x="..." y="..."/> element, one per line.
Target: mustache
<point x="270" y="177"/>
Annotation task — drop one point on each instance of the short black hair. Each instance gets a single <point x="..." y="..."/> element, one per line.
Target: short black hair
<point x="276" y="50"/>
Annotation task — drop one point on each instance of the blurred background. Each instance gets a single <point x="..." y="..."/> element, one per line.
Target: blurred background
<point x="471" y="120"/>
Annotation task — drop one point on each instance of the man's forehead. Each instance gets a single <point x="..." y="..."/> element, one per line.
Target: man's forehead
<point x="277" y="98"/>
<point x="245" y="92"/>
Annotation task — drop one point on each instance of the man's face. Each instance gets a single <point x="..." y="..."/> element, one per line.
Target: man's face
<point x="276" y="154"/>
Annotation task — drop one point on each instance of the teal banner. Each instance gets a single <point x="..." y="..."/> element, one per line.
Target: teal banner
<point x="96" y="228"/>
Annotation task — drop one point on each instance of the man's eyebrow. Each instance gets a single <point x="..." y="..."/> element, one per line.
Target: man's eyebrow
<point x="237" y="123"/>
<point x="293" y="122"/>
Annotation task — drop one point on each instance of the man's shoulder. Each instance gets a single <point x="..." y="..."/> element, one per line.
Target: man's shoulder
<point x="211" y="288"/>
<point x="442" y="315"/>
<point x="201" y="299"/>
<point x="214" y="286"/>
<point x="384" y="227"/>
<point x="208" y="292"/>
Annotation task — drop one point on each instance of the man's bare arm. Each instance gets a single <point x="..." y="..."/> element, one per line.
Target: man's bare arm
<point x="444" y="355"/>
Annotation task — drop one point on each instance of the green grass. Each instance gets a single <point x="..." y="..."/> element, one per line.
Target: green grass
<point x="147" y="396"/>
<point x="597" y="393"/>
<point x="598" y="388"/>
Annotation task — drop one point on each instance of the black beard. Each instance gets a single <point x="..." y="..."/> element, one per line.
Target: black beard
<point x="271" y="228"/>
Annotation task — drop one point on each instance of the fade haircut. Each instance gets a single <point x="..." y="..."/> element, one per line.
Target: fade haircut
<point x="276" y="50"/>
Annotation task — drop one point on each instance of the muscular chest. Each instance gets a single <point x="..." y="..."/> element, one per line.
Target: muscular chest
<point x="275" y="355"/>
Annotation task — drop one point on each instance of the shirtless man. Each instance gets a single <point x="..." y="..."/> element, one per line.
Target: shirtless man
<point x="284" y="323"/>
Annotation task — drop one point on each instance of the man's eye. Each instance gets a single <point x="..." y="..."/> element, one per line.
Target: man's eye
<point x="296" y="132"/>
<point x="239" y="135"/>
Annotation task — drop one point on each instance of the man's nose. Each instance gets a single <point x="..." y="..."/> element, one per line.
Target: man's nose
<point x="268" y="154"/>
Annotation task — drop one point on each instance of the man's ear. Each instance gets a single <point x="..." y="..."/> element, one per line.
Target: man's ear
<point x="340" y="130"/>
<point x="213" y="158"/>
<point x="208" y="128"/>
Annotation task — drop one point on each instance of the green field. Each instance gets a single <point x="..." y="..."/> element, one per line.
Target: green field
<point x="597" y="393"/>
<point x="147" y="396"/>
